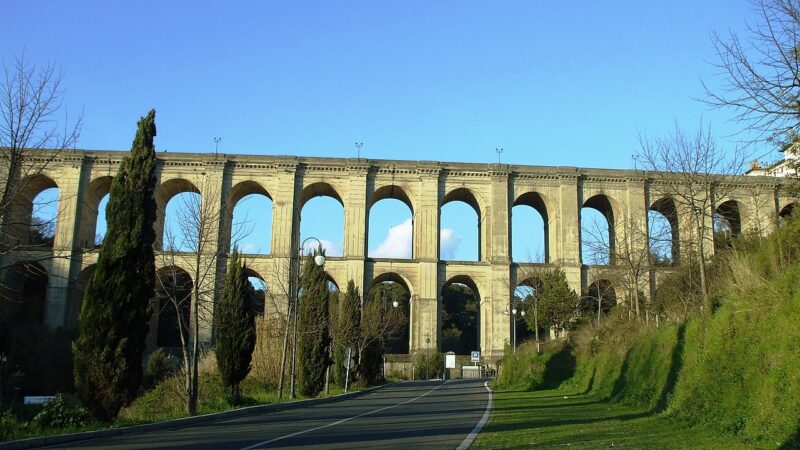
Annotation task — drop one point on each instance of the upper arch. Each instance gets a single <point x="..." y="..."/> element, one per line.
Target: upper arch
<point x="245" y="188"/>
<point x="391" y="191"/>
<point x="319" y="189"/>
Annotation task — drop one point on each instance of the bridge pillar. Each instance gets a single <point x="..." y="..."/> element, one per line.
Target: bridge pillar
<point x="355" y="226"/>
<point x="58" y="285"/>
<point x="568" y="227"/>
<point x="426" y="311"/>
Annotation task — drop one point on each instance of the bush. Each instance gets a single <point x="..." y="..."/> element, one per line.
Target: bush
<point x="160" y="365"/>
<point x="8" y="425"/>
<point x="61" y="412"/>
<point x="433" y="362"/>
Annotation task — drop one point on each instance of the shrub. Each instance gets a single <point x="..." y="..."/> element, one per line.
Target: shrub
<point x="433" y="362"/>
<point x="160" y="365"/>
<point x="61" y="412"/>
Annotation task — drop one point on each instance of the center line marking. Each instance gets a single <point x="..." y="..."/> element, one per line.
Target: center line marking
<point x="340" y="421"/>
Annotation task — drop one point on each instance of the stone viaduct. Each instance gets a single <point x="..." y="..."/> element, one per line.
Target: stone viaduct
<point x="557" y="193"/>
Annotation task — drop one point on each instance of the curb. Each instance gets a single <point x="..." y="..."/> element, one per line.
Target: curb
<point x="182" y="422"/>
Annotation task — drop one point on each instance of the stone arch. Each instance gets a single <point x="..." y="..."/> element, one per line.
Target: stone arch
<point x="172" y="311"/>
<point x="331" y="280"/>
<point x="22" y="226"/>
<point x="521" y="300"/>
<point x="469" y="333"/>
<point x="464" y="194"/>
<point x="321" y="189"/>
<point x="90" y="209"/>
<point x="259" y="299"/>
<point x="727" y="223"/>
<point x="391" y="191"/>
<point x="787" y="211"/>
<point x="608" y="208"/>
<point x="233" y="231"/>
<point x="541" y="205"/>
<point x="318" y="189"/>
<point x="396" y="277"/>
<point x="402" y="341"/>
<point x="599" y="296"/>
<point x="387" y="192"/>
<point x="667" y="208"/>
<point x="164" y="193"/>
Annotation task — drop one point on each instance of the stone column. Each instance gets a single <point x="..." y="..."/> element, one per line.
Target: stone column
<point x="568" y="227"/>
<point x="425" y="311"/>
<point x="495" y="326"/>
<point x="355" y="226"/>
<point x="68" y="179"/>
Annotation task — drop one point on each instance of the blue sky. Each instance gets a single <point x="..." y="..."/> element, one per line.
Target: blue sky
<point x="552" y="83"/>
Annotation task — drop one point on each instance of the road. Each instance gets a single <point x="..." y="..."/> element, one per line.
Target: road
<point x="422" y="414"/>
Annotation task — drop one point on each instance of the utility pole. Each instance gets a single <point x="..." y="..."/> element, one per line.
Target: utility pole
<point x="216" y="145"/>
<point x="499" y="152"/>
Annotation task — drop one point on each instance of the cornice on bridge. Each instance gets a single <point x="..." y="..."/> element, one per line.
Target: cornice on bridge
<point x="383" y="166"/>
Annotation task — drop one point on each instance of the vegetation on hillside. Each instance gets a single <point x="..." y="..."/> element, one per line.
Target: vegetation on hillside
<point x="734" y="370"/>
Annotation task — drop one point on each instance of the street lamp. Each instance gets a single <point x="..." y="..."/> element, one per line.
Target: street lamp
<point x="427" y="344"/>
<point x="319" y="260"/>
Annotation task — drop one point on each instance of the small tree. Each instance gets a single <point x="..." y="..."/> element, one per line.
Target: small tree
<point x="313" y="328"/>
<point x="380" y="323"/>
<point x="348" y="330"/>
<point x="116" y="304"/>
<point x="236" y="328"/>
<point x="555" y="302"/>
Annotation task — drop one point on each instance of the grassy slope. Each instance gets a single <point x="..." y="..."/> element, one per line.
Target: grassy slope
<point x="731" y="380"/>
<point x="545" y="419"/>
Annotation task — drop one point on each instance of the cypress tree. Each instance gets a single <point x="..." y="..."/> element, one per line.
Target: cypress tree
<point x="349" y="329"/>
<point x="313" y="328"/>
<point x="116" y="309"/>
<point x="236" y="327"/>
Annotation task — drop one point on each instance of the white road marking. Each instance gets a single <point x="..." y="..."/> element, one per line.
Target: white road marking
<point x="474" y="433"/>
<point x="341" y="421"/>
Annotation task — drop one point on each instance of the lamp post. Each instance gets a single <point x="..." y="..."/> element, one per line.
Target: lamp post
<point x="427" y="344"/>
<point x="384" y="312"/>
<point x="319" y="260"/>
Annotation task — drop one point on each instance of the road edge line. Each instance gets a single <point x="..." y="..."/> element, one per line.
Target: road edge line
<point x="465" y="444"/>
<point x="55" y="439"/>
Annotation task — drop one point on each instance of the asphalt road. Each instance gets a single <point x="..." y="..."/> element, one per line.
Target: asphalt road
<point x="422" y="414"/>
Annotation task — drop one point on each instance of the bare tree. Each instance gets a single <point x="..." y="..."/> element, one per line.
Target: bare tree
<point x="187" y="280"/>
<point x="761" y="73"/>
<point x="693" y="172"/>
<point x="637" y="251"/>
<point x="32" y="135"/>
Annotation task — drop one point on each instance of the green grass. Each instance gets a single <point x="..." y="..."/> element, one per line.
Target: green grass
<point x="545" y="419"/>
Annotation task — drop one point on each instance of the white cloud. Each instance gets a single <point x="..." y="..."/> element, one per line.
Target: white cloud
<point x="331" y="249"/>
<point x="249" y="248"/>
<point x="397" y="243"/>
<point x="449" y="243"/>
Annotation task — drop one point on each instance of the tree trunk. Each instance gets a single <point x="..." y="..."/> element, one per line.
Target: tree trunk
<point x="285" y="346"/>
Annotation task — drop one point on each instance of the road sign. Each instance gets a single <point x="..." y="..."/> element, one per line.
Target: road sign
<point x="450" y="361"/>
<point x="475" y="356"/>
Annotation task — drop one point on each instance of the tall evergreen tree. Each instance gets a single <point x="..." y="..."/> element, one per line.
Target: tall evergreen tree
<point x="116" y="309"/>
<point x="349" y="328"/>
<point x="235" y="321"/>
<point x="313" y="328"/>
